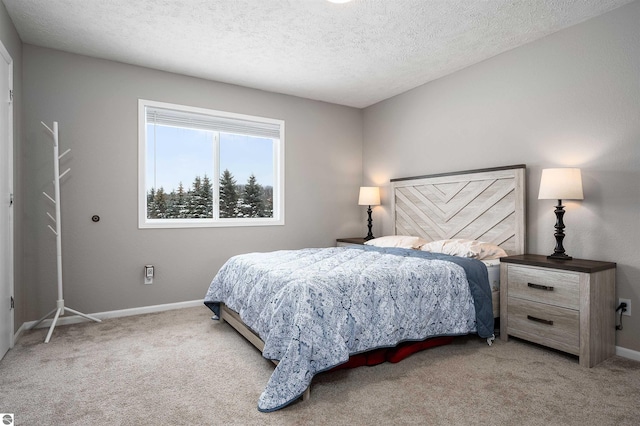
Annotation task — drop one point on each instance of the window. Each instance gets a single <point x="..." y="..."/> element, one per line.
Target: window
<point x="200" y="167"/>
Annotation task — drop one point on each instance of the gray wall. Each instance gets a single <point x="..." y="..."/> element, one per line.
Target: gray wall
<point x="570" y="99"/>
<point x="12" y="43"/>
<point x="95" y="102"/>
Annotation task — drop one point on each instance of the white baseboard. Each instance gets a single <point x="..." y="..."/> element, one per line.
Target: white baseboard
<point x="74" y="319"/>
<point x="628" y="353"/>
<point x="18" y="332"/>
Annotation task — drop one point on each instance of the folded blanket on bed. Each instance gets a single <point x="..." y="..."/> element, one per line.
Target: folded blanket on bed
<point x="315" y="307"/>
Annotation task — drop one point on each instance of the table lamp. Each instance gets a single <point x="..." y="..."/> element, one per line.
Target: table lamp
<point x="369" y="196"/>
<point x="560" y="184"/>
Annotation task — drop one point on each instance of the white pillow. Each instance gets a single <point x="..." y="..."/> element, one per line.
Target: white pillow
<point x="465" y="248"/>
<point x="401" y="241"/>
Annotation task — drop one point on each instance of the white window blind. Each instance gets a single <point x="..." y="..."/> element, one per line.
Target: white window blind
<point x="166" y="117"/>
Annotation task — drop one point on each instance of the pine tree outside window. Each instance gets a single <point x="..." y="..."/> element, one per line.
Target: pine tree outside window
<point x="206" y="168"/>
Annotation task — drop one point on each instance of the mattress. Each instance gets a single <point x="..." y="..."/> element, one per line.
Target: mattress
<point x="493" y="268"/>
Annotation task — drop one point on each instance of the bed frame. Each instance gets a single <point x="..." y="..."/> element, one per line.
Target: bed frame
<point x="486" y="204"/>
<point x="483" y="204"/>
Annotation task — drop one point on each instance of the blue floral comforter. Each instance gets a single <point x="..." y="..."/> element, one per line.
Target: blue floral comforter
<point x="314" y="308"/>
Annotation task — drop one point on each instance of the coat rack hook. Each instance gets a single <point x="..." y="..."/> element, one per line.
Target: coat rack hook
<point x="47" y="127"/>
<point x="64" y="153"/>
<point x="64" y="173"/>
<point x="49" y="197"/>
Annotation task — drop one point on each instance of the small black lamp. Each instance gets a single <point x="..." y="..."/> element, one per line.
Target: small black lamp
<point x="369" y="196"/>
<point x="560" y="184"/>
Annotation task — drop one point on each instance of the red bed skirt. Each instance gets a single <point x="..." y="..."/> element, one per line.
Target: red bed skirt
<point x="396" y="354"/>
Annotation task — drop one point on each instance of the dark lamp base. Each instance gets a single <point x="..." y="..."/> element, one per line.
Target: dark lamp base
<point x="369" y="224"/>
<point x="559" y="256"/>
<point x="558" y="252"/>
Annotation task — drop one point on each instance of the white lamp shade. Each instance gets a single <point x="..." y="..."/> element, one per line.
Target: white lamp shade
<point x="369" y="196"/>
<point x="561" y="184"/>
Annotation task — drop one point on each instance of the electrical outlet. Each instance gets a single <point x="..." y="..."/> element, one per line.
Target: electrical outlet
<point x="149" y="272"/>
<point x="628" y="308"/>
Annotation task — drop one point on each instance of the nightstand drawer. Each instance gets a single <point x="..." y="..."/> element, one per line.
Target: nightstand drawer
<point x="545" y="324"/>
<point x="554" y="287"/>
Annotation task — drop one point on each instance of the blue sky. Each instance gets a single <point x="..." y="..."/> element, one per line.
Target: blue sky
<point x="182" y="154"/>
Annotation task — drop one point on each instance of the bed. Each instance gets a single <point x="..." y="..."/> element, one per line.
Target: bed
<point x="309" y="310"/>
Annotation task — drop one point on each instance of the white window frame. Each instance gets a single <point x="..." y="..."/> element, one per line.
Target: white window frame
<point x="278" y="167"/>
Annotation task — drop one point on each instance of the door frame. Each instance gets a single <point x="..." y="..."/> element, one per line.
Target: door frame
<point x="10" y="165"/>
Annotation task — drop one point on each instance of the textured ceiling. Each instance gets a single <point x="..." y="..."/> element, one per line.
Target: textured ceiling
<point x="355" y="54"/>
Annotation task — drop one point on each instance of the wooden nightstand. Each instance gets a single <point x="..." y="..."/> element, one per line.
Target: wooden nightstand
<point x="343" y="242"/>
<point x="566" y="305"/>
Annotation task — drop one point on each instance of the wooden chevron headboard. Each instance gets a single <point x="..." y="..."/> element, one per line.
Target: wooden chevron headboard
<point x="486" y="205"/>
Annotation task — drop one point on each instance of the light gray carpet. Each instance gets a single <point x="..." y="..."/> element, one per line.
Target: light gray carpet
<point x="181" y="368"/>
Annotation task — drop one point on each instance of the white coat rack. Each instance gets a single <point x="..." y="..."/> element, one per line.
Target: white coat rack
<point x="60" y="308"/>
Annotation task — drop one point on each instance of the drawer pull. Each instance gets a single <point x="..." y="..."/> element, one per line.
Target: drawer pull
<point x="543" y="321"/>
<point x="540" y="286"/>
